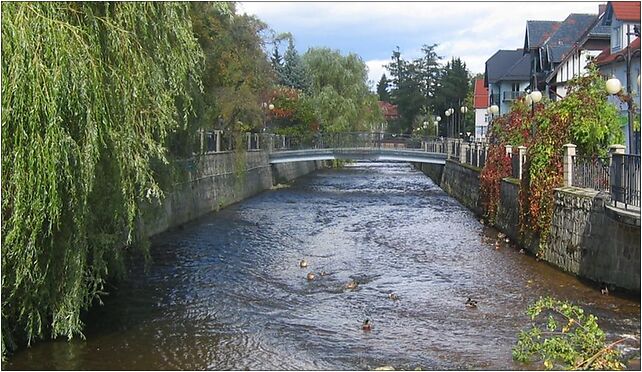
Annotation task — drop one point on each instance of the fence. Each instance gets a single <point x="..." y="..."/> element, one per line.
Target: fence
<point x="590" y="172"/>
<point x="625" y="180"/>
<point x="473" y="153"/>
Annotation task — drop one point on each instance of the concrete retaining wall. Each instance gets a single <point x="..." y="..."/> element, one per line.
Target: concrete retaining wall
<point x="588" y="238"/>
<point x="216" y="181"/>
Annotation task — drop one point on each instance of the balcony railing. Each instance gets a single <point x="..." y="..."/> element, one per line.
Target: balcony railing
<point x="513" y="95"/>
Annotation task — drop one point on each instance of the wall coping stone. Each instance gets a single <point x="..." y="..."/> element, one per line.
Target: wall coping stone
<point x="512" y="180"/>
<point x="468" y="166"/>
<point x="623" y="216"/>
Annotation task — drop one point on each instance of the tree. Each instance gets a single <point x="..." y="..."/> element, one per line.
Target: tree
<point x="452" y="91"/>
<point x="237" y="70"/>
<point x="295" y="74"/>
<point x="90" y="93"/>
<point x="339" y="91"/>
<point x="406" y="92"/>
<point x="382" y="89"/>
<point x="429" y="73"/>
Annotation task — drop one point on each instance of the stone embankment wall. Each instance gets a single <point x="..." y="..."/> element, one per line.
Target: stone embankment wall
<point x="588" y="237"/>
<point x="216" y="181"/>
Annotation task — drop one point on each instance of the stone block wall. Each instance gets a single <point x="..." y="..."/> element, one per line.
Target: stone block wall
<point x="434" y="171"/>
<point x="286" y="172"/>
<point x="588" y="238"/>
<point x="216" y="181"/>
<point x="461" y="181"/>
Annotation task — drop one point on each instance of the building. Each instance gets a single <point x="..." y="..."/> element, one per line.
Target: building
<point x="575" y="60"/>
<point x="507" y="77"/>
<point x="390" y="113"/>
<point x="535" y="37"/>
<point x="548" y="42"/>
<point x="480" y="104"/>
<point x="623" y="19"/>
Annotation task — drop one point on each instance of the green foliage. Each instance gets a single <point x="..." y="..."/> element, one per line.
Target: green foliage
<point x="237" y="72"/>
<point x="452" y="91"/>
<point x="90" y="94"/>
<point x="584" y="118"/>
<point x="565" y="337"/>
<point x="382" y="89"/>
<point x="414" y="86"/>
<point x="293" y="113"/>
<point x="339" y="91"/>
<point x="294" y="71"/>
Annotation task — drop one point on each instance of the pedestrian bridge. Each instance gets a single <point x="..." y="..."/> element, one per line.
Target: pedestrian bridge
<point x="358" y="153"/>
<point x="359" y="146"/>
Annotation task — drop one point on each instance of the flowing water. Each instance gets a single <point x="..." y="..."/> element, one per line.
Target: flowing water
<point x="227" y="292"/>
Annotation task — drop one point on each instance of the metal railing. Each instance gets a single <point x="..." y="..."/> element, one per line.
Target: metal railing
<point x="514" y="161"/>
<point x="513" y="95"/>
<point x="591" y="172"/>
<point x="625" y="181"/>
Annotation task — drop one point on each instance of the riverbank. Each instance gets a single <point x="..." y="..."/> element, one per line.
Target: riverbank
<point x="225" y="292"/>
<point x="588" y="238"/>
<point x="215" y="181"/>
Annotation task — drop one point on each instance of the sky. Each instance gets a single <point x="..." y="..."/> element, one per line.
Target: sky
<point x="473" y="31"/>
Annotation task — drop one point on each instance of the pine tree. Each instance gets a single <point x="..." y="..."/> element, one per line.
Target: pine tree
<point x="294" y="73"/>
<point x="382" y="89"/>
<point x="277" y="63"/>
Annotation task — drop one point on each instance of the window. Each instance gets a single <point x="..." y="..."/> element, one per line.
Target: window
<point x="616" y="38"/>
<point x="515" y="87"/>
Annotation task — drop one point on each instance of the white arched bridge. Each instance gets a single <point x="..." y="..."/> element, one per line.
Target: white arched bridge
<point x="361" y="146"/>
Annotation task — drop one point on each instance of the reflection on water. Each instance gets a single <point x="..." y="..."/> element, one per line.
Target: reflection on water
<point x="226" y="292"/>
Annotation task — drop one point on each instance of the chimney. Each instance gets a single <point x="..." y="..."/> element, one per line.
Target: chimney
<point x="601" y="8"/>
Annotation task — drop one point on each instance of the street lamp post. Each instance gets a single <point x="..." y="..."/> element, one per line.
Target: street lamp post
<point x="463" y="110"/>
<point x="492" y="110"/>
<point x="533" y="98"/>
<point x="438" y="119"/>
<point x="447" y="113"/>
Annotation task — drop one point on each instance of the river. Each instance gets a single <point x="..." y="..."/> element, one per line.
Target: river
<point x="226" y="291"/>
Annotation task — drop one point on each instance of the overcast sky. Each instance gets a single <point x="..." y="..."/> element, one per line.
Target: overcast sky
<point x="472" y="31"/>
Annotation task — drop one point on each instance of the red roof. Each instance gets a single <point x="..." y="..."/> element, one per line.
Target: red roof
<point x="481" y="94"/>
<point x="389" y="110"/>
<point x="606" y="57"/>
<point x="626" y="10"/>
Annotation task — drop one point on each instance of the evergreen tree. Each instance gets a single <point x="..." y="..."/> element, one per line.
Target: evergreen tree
<point x="277" y="62"/>
<point x="382" y="89"/>
<point x="406" y="92"/>
<point x="294" y="72"/>
<point x="452" y="91"/>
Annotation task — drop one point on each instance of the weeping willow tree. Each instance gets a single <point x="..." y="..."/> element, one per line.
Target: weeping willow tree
<point x="90" y="94"/>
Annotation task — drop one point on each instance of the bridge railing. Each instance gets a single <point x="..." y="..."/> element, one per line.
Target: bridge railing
<point x="223" y="141"/>
<point x="358" y="140"/>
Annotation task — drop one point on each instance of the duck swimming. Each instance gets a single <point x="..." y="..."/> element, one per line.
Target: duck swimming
<point x="351" y="284"/>
<point x="393" y="296"/>
<point x="311" y="276"/>
<point x="471" y="303"/>
<point x="366" y="326"/>
<point x="303" y="263"/>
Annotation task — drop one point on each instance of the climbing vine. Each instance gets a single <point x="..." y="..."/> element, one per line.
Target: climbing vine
<point x="584" y="118"/>
<point x="511" y="129"/>
<point x="90" y="94"/>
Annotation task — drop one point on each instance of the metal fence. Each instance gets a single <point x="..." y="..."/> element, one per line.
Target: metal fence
<point x="590" y="172"/>
<point x="625" y="181"/>
<point x="514" y="161"/>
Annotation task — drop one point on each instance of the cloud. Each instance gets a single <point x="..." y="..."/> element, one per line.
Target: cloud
<point x="375" y="70"/>
<point x="473" y="31"/>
